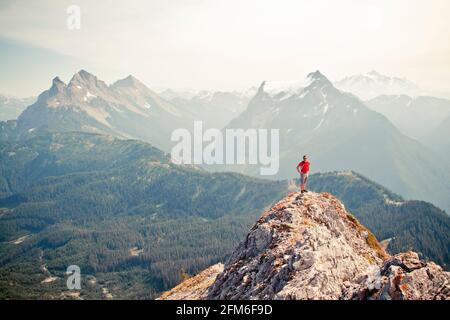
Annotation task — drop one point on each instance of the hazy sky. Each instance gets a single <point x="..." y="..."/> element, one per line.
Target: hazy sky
<point x="223" y="44"/>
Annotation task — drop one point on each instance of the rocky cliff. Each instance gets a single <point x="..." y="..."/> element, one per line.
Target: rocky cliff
<point x="309" y="247"/>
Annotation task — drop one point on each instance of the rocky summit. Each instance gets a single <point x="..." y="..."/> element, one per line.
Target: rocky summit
<point x="307" y="246"/>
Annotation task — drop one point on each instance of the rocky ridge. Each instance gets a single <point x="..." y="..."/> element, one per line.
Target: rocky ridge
<point x="308" y="246"/>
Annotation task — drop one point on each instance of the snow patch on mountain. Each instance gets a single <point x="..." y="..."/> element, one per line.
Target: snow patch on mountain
<point x="288" y="87"/>
<point x="90" y="95"/>
<point x="372" y="84"/>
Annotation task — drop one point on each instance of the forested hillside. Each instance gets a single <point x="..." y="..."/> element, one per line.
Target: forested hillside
<point x="118" y="209"/>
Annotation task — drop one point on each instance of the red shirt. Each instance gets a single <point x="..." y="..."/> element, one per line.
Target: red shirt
<point x="305" y="166"/>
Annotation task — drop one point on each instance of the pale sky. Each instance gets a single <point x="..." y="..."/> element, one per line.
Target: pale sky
<point x="223" y="45"/>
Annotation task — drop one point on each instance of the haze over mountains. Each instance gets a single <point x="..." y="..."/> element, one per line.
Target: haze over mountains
<point x="425" y="118"/>
<point x="126" y="109"/>
<point x="439" y="139"/>
<point x="372" y="84"/>
<point x="417" y="117"/>
<point x="336" y="128"/>
<point x="11" y="107"/>
<point x="215" y="108"/>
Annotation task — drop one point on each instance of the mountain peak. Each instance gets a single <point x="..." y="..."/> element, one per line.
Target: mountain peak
<point x="293" y="86"/>
<point x="130" y="82"/>
<point x="57" y="86"/>
<point x="374" y="73"/>
<point x="132" y="79"/>
<point x="372" y="84"/>
<point x="261" y="87"/>
<point x="85" y="75"/>
<point x="307" y="246"/>
<point x="315" y="74"/>
<point x="85" y="79"/>
<point x="317" y="77"/>
<point x="57" y="82"/>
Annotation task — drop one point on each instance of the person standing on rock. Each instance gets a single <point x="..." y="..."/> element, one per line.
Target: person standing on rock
<point x="303" y="170"/>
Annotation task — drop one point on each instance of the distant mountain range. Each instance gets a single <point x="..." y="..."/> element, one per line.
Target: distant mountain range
<point x="416" y="117"/>
<point x="425" y="118"/>
<point x="340" y="132"/>
<point x="125" y="109"/>
<point x="372" y="84"/>
<point x="439" y="139"/>
<point x="11" y="107"/>
<point x="215" y="108"/>
<point x="134" y="222"/>
<point x="336" y="128"/>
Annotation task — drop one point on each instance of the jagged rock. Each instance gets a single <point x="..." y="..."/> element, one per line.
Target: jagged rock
<point x="309" y="247"/>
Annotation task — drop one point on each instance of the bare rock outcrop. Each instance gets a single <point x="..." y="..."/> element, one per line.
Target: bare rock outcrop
<point x="308" y="246"/>
<point x="405" y="277"/>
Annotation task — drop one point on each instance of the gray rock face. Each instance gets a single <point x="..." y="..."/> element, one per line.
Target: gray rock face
<point x="308" y="247"/>
<point x="305" y="247"/>
<point x="125" y="109"/>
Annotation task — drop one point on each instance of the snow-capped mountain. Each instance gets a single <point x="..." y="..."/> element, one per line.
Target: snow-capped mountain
<point x="283" y="104"/>
<point x="126" y="109"/>
<point x="170" y="94"/>
<point x="372" y="84"/>
<point x="416" y="117"/>
<point x="340" y="132"/>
